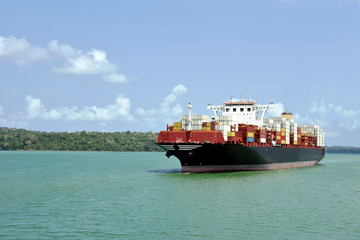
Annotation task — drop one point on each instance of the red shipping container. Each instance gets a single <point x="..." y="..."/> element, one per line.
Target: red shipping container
<point x="231" y="139"/>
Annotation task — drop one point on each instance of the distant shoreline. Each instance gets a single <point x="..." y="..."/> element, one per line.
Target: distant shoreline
<point x="342" y="149"/>
<point x="13" y="139"/>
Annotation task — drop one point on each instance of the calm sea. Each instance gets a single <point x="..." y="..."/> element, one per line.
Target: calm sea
<point x="96" y="195"/>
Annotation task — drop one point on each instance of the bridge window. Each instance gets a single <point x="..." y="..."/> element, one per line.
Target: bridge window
<point x="234" y="109"/>
<point x="241" y="109"/>
<point x="227" y="109"/>
<point x="249" y="109"/>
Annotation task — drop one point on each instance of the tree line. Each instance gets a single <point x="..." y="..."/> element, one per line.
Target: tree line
<point x="342" y="149"/>
<point x="21" y="139"/>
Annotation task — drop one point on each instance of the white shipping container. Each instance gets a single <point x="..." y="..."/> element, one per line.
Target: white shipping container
<point x="278" y="119"/>
<point x="268" y="121"/>
<point x="224" y="133"/>
<point x="196" y="117"/>
<point x="198" y="122"/>
<point x="197" y="128"/>
<point x="222" y="128"/>
<point x="275" y="127"/>
<point x="293" y="127"/>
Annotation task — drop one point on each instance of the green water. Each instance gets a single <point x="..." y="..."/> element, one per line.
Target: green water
<point x="91" y="195"/>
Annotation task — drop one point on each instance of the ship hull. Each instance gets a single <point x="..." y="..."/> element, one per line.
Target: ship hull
<point x="236" y="157"/>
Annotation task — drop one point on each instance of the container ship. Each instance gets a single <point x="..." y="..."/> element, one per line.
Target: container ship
<point x="239" y="138"/>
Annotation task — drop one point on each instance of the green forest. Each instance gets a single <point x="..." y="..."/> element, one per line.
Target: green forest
<point x="20" y="139"/>
<point x="342" y="149"/>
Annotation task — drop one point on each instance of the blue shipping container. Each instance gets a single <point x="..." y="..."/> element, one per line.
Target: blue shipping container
<point x="250" y="139"/>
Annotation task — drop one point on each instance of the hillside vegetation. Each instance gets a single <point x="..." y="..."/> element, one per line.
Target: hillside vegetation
<point x="342" y="149"/>
<point x="20" y="139"/>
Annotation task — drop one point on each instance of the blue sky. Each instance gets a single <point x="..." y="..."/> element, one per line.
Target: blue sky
<point x="134" y="65"/>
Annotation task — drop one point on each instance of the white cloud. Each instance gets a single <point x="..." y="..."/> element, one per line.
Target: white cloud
<point x="34" y="107"/>
<point x="115" y="78"/>
<point x="120" y="110"/>
<point x="335" y="120"/>
<point x="17" y="124"/>
<point x="276" y="110"/>
<point x="313" y="120"/>
<point x="21" y="51"/>
<point x="77" y="62"/>
<point x="352" y="126"/>
<point x="171" y="98"/>
<point x="63" y="50"/>
<point x="92" y="62"/>
<point x="168" y="111"/>
<point x="318" y="108"/>
<point x="11" y="123"/>
<point x="326" y="109"/>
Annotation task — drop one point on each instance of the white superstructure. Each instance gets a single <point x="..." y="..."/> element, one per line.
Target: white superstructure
<point x="242" y="112"/>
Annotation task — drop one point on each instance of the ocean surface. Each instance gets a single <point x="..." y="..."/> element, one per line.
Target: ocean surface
<point x="103" y="195"/>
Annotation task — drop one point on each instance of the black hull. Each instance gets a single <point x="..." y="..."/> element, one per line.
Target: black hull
<point x="236" y="157"/>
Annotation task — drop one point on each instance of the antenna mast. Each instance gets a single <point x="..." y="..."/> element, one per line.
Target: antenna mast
<point x="189" y="106"/>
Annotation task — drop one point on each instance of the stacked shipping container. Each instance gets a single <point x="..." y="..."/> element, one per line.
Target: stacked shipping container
<point x="274" y="131"/>
<point x="194" y="122"/>
<point x="261" y="136"/>
<point x="314" y="130"/>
